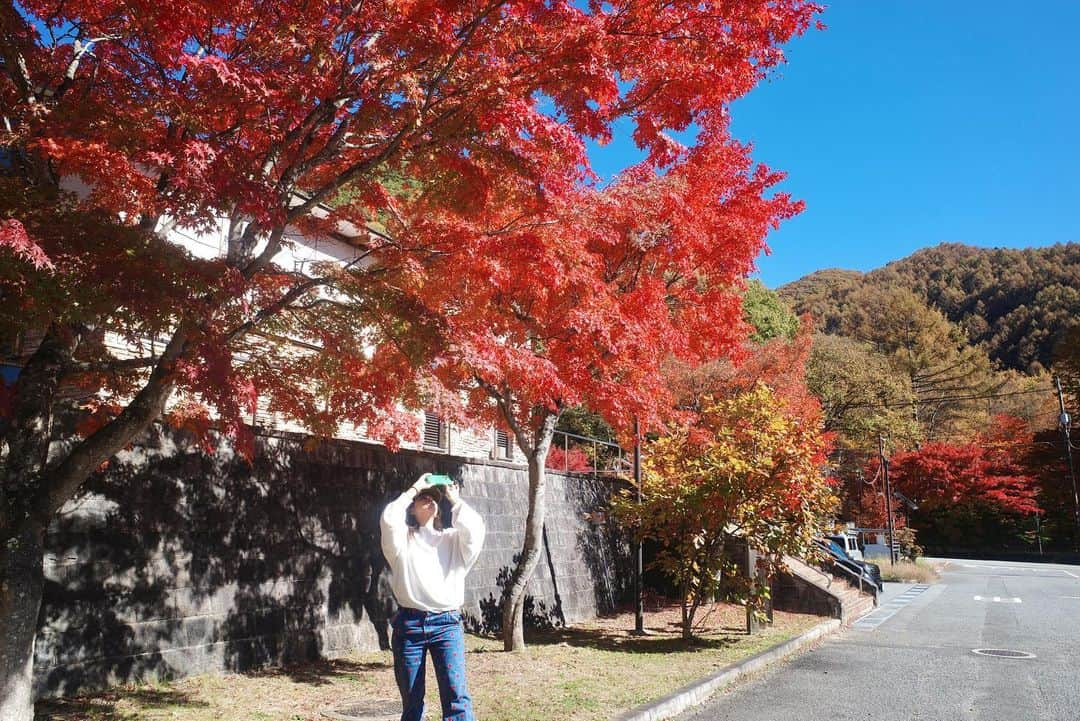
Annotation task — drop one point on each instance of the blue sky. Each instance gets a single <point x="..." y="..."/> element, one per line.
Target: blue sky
<point x="907" y="124"/>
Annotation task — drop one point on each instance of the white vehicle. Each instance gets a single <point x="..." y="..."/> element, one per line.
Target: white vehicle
<point x="849" y="542"/>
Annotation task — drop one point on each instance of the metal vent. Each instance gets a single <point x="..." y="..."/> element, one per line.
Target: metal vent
<point x="433" y="431"/>
<point x="1002" y="653"/>
<point x="502" y="444"/>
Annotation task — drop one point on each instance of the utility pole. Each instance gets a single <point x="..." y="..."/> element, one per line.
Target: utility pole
<point x="888" y="498"/>
<point x="639" y="591"/>
<point x="1038" y="532"/>
<point x="1063" y="421"/>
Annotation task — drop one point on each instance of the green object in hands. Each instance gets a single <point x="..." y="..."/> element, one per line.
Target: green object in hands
<point x="440" y="480"/>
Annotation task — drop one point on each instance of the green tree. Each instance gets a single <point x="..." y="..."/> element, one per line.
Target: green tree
<point x="767" y="313"/>
<point x="947" y="374"/>
<point x="862" y="394"/>
<point x="1017" y="303"/>
<point x="823" y="294"/>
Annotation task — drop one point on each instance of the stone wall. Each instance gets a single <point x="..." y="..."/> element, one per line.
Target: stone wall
<point x="178" y="560"/>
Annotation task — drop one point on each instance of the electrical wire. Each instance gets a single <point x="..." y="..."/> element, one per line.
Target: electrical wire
<point x="946" y="399"/>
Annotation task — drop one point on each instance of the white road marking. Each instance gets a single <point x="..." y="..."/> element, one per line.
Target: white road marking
<point x="1016" y="568"/>
<point x="999" y="599"/>
<point x="883" y="613"/>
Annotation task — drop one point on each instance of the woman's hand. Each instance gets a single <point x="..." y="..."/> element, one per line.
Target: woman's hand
<point x="421" y="483"/>
<point x="453" y="494"/>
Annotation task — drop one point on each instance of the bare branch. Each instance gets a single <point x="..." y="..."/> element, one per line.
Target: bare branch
<point x="81" y="49"/>
<point x="15" y="65"/>
<point x="286" y="300"/>
<point x="466" y="34"/>
<point x="109" y="366"/>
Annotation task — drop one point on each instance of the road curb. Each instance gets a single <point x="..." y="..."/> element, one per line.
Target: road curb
<point x="700" y="690"/>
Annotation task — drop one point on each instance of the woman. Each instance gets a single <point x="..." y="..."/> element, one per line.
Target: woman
<point x="428" y="566"/>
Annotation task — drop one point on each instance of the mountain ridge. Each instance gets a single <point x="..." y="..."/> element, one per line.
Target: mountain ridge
<point x="1016" y="303"/>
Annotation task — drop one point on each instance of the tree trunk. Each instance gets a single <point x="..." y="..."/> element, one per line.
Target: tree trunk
<point x="513" y="605"/>
<point x="513" y="595"/>
<point x="31" y="493"/>
<point x="26" y="441"/>
<point x="21" y="581"/>
<point x="689" y="608"/>
<point x="26" y="438"/>
<point x="62" y="481"/>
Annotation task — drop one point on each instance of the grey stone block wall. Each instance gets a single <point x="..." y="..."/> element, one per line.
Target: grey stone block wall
<point x="176" y="561"/>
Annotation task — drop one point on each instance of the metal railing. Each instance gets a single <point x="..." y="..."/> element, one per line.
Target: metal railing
<point x="859" y="578"/>
<point x="587" y="455"/>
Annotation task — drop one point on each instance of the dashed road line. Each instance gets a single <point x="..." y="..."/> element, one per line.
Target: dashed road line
<point x="882" y="614"/>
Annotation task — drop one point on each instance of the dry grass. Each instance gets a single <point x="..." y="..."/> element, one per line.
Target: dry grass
<point x="586" y="673"/>
<point x="906" y="571"/>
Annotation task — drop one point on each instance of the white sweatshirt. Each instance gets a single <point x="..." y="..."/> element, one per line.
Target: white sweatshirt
<point x="427" y="566"/>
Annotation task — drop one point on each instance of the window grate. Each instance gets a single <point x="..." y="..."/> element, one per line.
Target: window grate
<point x="502" y="444"/>
<point x="434" y="431"/>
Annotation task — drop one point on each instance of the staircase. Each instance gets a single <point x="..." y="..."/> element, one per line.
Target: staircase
<point x="853" y="603"/>
<point x="808" y="589"/>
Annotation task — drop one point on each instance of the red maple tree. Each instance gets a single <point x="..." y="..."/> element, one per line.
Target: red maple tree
<point x="585" y="306"/>
<point x="405" y="129"/>
<point x="988" y="471"/>
<point x="956" y="484"/>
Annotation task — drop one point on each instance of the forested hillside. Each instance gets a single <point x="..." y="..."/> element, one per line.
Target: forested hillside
<point x="947" y="356"/>
<point x="1017" y="304"/>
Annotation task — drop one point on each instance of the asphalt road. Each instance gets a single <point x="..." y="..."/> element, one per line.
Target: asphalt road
<point x="918" y="663"/>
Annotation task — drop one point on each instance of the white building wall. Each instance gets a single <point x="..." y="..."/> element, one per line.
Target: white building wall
<point x="298" y="254"/>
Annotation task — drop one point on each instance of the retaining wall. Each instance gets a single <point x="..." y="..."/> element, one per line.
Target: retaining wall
<point x="177" y="561"/>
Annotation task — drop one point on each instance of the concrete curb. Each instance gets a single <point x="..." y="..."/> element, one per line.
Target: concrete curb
<point x="699" y="691"/>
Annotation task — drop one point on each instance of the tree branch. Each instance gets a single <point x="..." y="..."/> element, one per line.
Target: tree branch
<point x="62" y="481"/>
<point x="15" y="66"/>
<point x="81" y="49"/>
<point x="108" y="366"/>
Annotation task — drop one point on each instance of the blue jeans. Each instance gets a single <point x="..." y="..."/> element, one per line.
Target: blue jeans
<point x="416" y="633"/>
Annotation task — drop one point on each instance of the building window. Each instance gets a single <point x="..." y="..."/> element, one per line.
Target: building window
<point x="502" y="445"/>
<point x="435" y="435"/>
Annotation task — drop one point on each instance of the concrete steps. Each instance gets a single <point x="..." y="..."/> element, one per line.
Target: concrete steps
<point x="855" y="605"/>
<point x="843" y="600"/>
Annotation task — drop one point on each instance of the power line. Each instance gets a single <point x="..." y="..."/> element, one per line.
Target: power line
<point x="945" y="399"/>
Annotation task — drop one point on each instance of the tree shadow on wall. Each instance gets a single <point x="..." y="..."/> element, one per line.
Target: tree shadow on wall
<point x="604" y="546"/>
<point x="537" y="615"/>
<point x="173" y="561"/>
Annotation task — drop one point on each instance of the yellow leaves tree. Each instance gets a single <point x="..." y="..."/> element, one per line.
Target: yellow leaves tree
<point x="749" y="467"/>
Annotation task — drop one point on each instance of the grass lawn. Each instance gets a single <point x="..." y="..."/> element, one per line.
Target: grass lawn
<point x="589" y="672"/>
